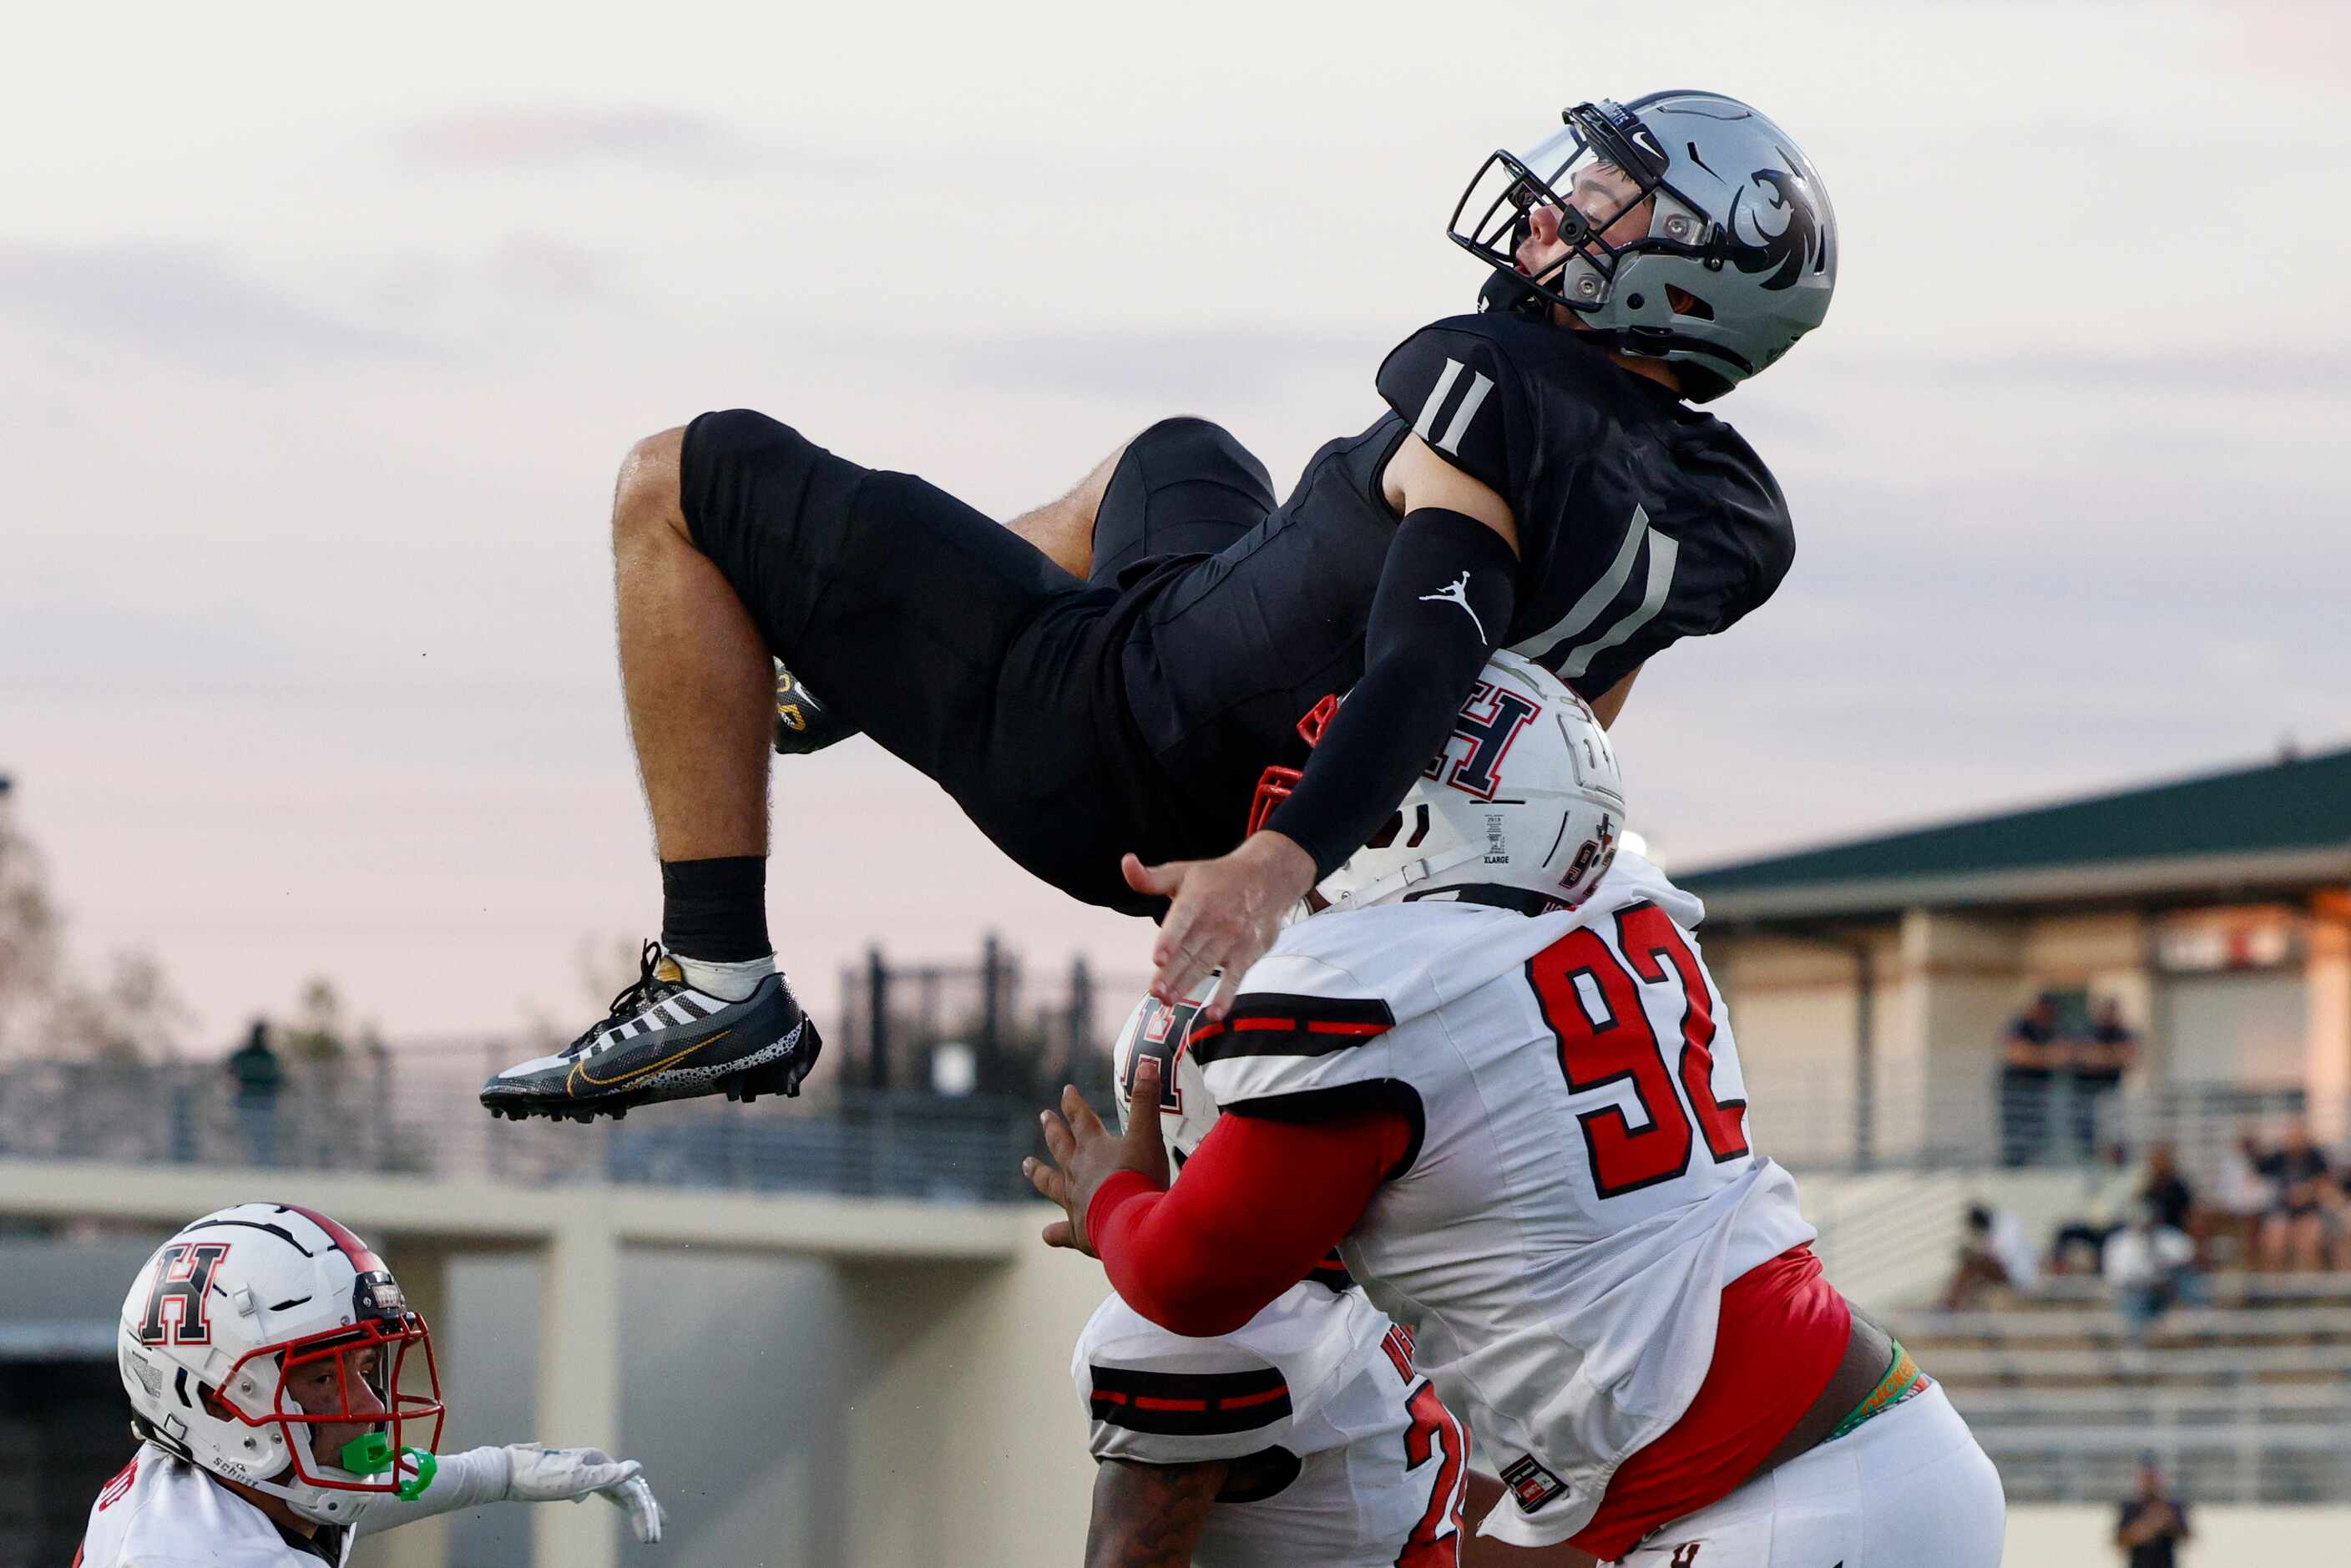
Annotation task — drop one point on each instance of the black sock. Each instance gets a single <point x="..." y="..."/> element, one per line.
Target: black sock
<point x="715" y="910"/>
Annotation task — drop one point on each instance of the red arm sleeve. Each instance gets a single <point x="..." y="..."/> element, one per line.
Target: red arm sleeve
<point x="1262" y="1203"/>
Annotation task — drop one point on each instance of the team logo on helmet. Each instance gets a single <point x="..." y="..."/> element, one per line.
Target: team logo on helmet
<point x="1489" y="730"/>
<point x="1796" y="247"/>
<point x="1162" y="1032"/>
<point x="183" y="1276"/>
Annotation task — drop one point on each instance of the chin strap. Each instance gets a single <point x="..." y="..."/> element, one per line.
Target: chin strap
<point x="1507" y="293"/>
<point x="1410" y="874"/>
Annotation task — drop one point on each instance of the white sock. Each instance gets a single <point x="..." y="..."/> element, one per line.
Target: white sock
<point x="727" y="982"/>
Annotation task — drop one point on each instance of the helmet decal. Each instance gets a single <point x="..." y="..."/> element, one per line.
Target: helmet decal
<point x="1161" y="1032"/>
<point x="1490" y="733"/>
<point x="1799" y="246"/>
<point x="1551" y="835"/>
<point x="183" y="1279"/>
<point x="1593" y="858"/>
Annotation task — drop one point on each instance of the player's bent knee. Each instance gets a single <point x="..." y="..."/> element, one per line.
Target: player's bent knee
<point x="645" y="498"/>
<point x="1185" y="432"/>
<point x="1194" y="448"/>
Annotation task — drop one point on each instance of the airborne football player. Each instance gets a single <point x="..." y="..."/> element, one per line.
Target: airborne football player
<point x="1098" y="686"/>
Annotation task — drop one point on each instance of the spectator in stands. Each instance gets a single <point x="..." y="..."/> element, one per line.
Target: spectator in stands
<point x="2151" y="1267"/>
<point x="2293" y="1231"/>
<point x="2029" y="1058"/>
<point x="2153" y="1522"/>
<point x="2241" y="1197"/>
<point x="2113" y="1186"/>
<point x="1994" y="1252"/>
<point x="2098" y="1060"/>
<point x="2338" y="1219"/>
<point x="258" y="1079"/>
<point x="2167" y="1190"/>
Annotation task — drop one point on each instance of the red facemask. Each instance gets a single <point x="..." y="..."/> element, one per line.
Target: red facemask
<point x="1274" y="785"/>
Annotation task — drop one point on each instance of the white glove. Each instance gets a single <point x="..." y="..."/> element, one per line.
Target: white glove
<point x="540" y="1474"/>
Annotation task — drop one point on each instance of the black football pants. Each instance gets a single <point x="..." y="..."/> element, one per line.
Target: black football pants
<point x="957" y="645"/>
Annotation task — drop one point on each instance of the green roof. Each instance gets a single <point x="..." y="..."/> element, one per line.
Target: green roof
<point x="2281" y="825"/>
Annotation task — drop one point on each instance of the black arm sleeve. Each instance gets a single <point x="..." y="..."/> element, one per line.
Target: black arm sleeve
<point x="1444" y="603"/>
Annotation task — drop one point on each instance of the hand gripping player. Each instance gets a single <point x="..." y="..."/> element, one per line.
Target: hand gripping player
<point x="1495" y="1070"/>
<point x="1098" y="686"/>
<point x="285" y="1403"/>
<point x="1304" y="1435"/>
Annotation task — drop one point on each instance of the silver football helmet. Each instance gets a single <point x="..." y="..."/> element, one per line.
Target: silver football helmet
<point x="1736" y="260"/>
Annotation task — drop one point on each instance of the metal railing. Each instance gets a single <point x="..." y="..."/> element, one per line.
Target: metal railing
<point x="2058" y="1123"/>
<point x="397" y="1114"/>
<point x="2265" y="1463"/>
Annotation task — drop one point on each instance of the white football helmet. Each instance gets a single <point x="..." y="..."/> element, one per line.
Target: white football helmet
<point x="1155" y="1028"/>
<point x="1523" y="806"/>
<point x="243" y="1299"/>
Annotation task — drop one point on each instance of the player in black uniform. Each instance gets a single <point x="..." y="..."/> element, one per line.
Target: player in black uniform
<point x="1101" y="701"/>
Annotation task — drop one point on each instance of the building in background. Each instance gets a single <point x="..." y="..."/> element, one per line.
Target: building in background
<point x="1874" y="981"/>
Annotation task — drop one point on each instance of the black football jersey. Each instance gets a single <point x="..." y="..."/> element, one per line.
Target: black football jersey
<point x="1641" y="520"/>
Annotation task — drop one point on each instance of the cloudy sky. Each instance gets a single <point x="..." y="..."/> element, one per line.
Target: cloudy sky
<point x="325" y="331"/>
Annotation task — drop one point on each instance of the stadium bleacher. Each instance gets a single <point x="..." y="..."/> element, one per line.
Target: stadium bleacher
<point x="2244" y="1401"/>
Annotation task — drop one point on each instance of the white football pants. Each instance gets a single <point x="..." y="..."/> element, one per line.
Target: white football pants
<point x="1906" y="1489"/>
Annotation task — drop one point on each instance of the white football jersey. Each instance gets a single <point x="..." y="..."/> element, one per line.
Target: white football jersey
<point x="1583" y="1185"/>
<point x="1372" y="1468"/>
<point x="164" y="1512"/>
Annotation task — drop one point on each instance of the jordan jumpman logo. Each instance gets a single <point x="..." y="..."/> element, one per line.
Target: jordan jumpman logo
<point x="1458" y="593"/>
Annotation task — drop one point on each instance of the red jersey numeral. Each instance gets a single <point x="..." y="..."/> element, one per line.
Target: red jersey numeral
<point x="1435" y="1541"/>
<point x="1647" y="934"/>
<point x="1621" y="1047"/>
<point x="118" y="1488"/>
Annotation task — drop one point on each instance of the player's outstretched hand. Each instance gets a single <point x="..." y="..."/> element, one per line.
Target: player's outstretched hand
<point x="1086" y="1154"/>
<point x="1223" y="913"/>
<point x="537" y="1473"/>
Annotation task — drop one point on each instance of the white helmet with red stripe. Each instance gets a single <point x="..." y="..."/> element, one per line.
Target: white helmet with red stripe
<point x="244" y="1307"/>
<point x="1523" y="806"/>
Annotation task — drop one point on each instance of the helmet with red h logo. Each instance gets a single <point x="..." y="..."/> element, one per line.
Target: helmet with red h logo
<point x="271" y="1347"/>
<point x="1523" y="806"/>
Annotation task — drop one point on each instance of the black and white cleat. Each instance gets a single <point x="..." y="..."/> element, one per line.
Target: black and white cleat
<point x="664" y="1039"/>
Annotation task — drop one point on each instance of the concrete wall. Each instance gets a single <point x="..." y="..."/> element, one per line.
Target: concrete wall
<point x="1792" y="1010"/>
<point x="832" y="1382"/>
<point x="2328" y="968"/>
<point x="1961" y="979"/>
<point x="967" y="1441"/>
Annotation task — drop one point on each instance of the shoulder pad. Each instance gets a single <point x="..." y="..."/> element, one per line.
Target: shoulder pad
<point x="1163" y="1399"/>
<point x="1317" y="1012"/>
<point x="1455" y="385"/>
<point x="1282" y="1044"/>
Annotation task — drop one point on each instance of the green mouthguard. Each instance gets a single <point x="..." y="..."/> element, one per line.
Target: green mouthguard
<point x="373" y="1455"/>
